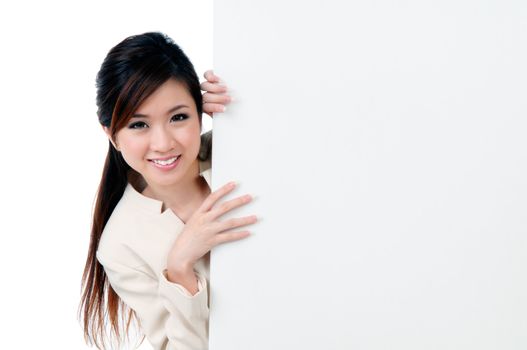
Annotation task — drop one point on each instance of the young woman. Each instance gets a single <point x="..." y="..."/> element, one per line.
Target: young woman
<point x="155" y="218"/>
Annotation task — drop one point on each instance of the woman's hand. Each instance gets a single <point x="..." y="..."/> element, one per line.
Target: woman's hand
<point x="203" y="231"/>
<point x="215" y="97"/>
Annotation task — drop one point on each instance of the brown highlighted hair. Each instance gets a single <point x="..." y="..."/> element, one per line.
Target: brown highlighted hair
<point x="130" y="73"/>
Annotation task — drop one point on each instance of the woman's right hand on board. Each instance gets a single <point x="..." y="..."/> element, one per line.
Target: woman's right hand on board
<point x="203" y="231"/>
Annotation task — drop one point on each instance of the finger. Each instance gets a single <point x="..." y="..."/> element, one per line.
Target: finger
<point x="235" y="223"/>
<point x="210" y="76"/>
<point x="216" y="98"/>
<point x="213" y="108"/>
<point x="224" y="207"/>
<point x="229" y="237"/>
<point x="214" y="196"/>
<point x="213" y="87"/>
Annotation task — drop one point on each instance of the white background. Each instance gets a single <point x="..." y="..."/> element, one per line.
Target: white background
<point x="386" y="143"/>
<point x="53" y="148"/>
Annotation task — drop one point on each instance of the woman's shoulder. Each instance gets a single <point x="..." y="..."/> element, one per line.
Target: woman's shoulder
<point x="138" y="233"/>
<point x="123" y="229"/>
<point x="205" y="150"/>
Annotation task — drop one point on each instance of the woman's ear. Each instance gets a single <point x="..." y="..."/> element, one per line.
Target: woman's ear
<point x="107" y="132"/>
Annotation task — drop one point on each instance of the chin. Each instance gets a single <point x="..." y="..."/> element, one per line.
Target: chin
<point x="166" y="182"/>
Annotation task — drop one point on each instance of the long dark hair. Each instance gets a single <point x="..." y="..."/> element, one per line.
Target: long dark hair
<point x="130" y="73"/>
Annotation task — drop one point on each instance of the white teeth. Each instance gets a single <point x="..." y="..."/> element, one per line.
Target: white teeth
<point x="165" y="162"/>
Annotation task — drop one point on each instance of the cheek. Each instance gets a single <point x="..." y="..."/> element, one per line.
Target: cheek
<point x="132" y="149"/>
<point x="191" y="136"/>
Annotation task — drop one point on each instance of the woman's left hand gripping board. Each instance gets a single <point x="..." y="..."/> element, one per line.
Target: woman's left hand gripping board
<point x="215" y="97"/>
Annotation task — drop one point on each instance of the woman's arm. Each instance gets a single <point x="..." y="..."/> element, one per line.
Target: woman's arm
<point x="170" y="318"/>
<point x="184" y="276"/>
<point x="205" y="150"/>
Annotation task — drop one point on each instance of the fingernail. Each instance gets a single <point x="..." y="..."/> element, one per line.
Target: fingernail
<point x="223" y="108"/>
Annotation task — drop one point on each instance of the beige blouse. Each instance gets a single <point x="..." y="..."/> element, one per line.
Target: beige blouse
<point x="133" y="251"/>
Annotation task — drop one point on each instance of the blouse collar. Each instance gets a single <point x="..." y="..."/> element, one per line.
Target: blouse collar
<point x="138" y="200"/>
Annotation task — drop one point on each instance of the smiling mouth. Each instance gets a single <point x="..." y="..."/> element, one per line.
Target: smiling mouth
<point x="165" y="161"/>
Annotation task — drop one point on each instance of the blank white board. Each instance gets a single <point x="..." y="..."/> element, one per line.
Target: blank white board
<point x="386" y="144"/>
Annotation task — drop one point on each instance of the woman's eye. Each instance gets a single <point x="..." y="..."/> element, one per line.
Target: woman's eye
<point x="178" y="117"/>
<point x="142" y="125"/>
<point x="137" y="125"/>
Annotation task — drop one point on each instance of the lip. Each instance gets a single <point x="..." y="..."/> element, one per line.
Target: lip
<point x="165" y="158"/>
<point x="165" y="167"/>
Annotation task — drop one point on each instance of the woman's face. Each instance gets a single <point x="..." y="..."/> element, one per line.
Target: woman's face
<point x="162" y="139"/>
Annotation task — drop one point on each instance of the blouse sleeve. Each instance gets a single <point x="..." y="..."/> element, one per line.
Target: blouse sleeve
<point x="205" y="150"/>
<point x="170" y="317"/>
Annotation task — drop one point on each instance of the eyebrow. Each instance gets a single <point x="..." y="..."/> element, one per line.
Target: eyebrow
<point x="171" y="110"/>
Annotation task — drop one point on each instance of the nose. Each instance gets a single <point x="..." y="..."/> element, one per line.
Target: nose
<point x="161" y="140"/>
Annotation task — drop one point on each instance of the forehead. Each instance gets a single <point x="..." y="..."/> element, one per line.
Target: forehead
<point x="166" y="96"/>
